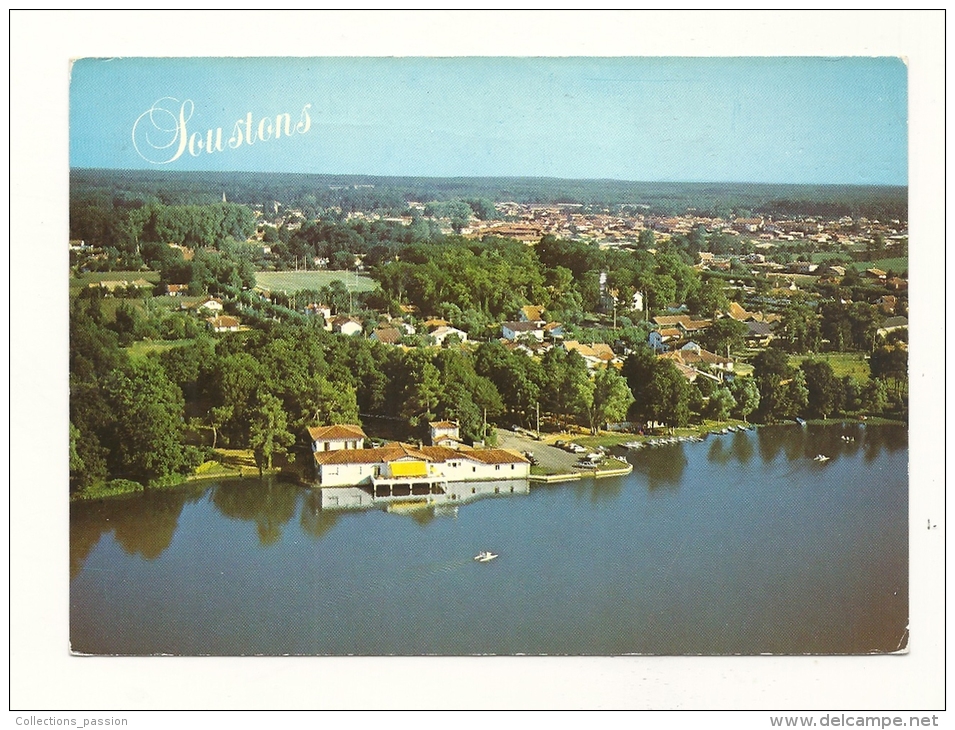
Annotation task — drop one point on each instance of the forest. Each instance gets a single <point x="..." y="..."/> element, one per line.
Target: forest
<point x="366" y="192"/>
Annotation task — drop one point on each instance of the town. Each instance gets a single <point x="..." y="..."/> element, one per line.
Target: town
<point x="449" y="341"/>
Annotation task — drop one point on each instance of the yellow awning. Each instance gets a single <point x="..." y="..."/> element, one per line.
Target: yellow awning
<point x="408" y="468"/>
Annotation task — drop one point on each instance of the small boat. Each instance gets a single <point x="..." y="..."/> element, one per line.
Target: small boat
<point x="800" y="421"/>
<point x="485" y="556"/>
<point x="820" y="457"/>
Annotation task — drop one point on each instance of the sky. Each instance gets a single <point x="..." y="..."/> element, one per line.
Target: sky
<point x="777" y="120"/>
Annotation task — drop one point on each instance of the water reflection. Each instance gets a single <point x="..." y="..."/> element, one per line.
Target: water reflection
<point x="880" y="437"/>
<point x="794" y="447"/>
<point x="599" y="490"/>
<point x="833" y="440"/>
<point x="422" y="508"/>
<point x="662" y="466"/>
<point x="790" y="562"/>
<point x="314" y="521"/>
<point x="142" y="524"/>
<point x="718" y="452"/>
<point x="770" y="441"/>
<point x="268" y="503"/>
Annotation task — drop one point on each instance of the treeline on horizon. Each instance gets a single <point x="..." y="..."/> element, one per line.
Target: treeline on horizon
<point x="132" y="188"/>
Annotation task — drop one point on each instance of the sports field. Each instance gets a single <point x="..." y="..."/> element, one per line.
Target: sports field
<point x="295" y="281"/>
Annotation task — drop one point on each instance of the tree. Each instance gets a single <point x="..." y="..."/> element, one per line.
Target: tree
<point x="875" y="396"/>
<point x="669" y="395"/>
<point x="125" y="323"/>
<point x="746" y="394"/>
<point x="721" y="404"/>
<point x="825" y="392"/>
<point x="875" y="245"/>
<point x="638" y="370"/>
<point x="421" y="388"/>
<point x="568" y="391"/>
<point x="235" y="379"/>
<point x="709" y="299"/>
<point x="795" y="396"/>
<point x="268" y="431"/>
<point x="611" y="399"/>
<point x="661" y="291"/>
<point x="327" y="402"/>
<point x="216" y="418"/>
<point x="890" y="362"/>
<point x="146" y="436"/>
<point x="724" y="334"/>
<point x="771" y="369"/>
<point x="799" y="328"/>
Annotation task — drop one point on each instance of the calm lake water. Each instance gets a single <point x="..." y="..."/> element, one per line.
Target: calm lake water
<point x="741" y="544"/>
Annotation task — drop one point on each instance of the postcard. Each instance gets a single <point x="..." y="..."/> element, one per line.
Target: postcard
<point x="489" y="357"/>
<point x="593" y="382"/>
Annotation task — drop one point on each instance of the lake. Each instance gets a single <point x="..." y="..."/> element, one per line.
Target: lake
<point x="741" y="544"/>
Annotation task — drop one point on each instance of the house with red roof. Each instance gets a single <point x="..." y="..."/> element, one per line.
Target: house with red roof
<point x="339" y="437"/>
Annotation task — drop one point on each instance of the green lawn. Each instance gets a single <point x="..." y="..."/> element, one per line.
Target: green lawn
<point x="79" y="282"/>
<point x="843" y="363"/>
<point x="140" y="349"/>
<point x="899" y="264"/>
<point x="295" y="281"/>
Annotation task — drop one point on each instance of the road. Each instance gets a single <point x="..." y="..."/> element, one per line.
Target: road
<point x="550" y="458"/>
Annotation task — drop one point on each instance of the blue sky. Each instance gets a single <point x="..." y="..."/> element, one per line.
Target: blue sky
<point x="799" y="120"/>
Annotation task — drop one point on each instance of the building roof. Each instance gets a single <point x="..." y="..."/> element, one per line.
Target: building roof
<point x="695" y="357"/>
<point x="597" y="350"/>
<point x="521" y="326"/>
<point x="345" y="319"/>
<point x="223" y="320"/>
<point x="337" y="432"/>
<point x="685" y="321"/>
<point x="737" y="312"/>
<point x="669" y="320"/>
<point x="434" y="323"/>
<point x="759" y="329"/>
<point x="395" y="450"/>
<point x="896" y="322"/>
<point x="494" y="456"/>
<point x="444" y="331"/>
<point x="388" y="335"/>
<point x="443" y="424"/>
<point x="533" y="313"/>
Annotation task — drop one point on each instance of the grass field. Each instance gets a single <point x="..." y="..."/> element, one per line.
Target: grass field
<point x="295" y="281"/>
<point x="140" y="349"/>
<point x="899" y="265"/>
<point x="79" y="282"/>
<point x="843" y="363"/>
